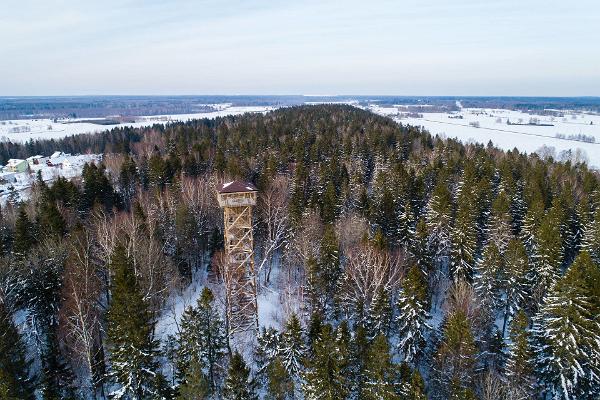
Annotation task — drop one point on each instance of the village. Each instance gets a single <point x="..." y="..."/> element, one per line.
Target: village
<point x="17" y="176"/>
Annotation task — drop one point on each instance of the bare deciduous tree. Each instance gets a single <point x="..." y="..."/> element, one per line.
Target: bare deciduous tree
<point x="81" y="313"/>
<point x="367" y="271"/>
<point x="273" y="214"/>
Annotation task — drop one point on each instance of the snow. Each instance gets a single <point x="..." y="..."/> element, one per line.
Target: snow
<point x="269" y="309"/>
<point x="20" y="182"/>
<point x="22" y="130"/>
<point x="493" y="126"/>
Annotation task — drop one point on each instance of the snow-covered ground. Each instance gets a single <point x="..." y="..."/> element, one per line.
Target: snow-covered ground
<point x="482" y="125"/>
<point x="22" y="130"/>
<point x="17" y="185"/>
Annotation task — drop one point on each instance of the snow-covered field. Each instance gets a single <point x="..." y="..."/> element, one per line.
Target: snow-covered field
<point x="22" y="130"/>
<point x="482" y="125"/>
<point x="476" y="125"/>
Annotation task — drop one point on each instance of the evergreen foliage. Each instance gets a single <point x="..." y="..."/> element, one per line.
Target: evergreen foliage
<point x="412" y="315"/>
<point x="133" y="349"/>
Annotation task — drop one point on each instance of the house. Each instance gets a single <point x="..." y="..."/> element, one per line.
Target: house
<point x="17" y="165"/>
<point x="36" y="160"/>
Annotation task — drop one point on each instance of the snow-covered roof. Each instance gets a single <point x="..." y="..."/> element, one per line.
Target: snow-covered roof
<point x="236" y="187"/>
<point x="56" y="154"/>
<point x="14" y="161"/>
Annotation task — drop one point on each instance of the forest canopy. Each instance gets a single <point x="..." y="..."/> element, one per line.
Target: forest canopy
<point x="400" y="266"/>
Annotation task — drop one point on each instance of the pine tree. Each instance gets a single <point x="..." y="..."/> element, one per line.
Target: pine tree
<point x="292" y="349"/>
<point x="566" y="335"/>
<point x="380" y="313"/>
<point x="130" y="328"/>
<point x="381" y="376"/>
<point x="15" y="382"/>
<point x="412" y="315"/>
<point x="238" y="385"/>
<point x="519" y="367"/>
<point x="324" y="377"/>
<point x="514" y="279"/>
<point x="454" y="362"/>
<point x="487" y="279"/>
<point x="202" y="339"/>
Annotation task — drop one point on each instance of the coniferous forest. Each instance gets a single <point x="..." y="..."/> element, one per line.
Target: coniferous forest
<point x="391" y="265"/>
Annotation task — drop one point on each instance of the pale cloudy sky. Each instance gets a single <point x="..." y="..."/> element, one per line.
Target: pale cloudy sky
<point x="404" y="47"/>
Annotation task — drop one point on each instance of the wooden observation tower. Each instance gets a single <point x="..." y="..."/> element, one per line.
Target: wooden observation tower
<point x="237" y="199"/>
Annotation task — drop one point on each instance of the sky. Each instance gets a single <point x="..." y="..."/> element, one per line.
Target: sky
<point x="401" y="47"/>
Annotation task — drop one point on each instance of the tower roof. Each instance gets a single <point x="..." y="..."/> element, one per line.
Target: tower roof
<point x="236" y="187"/>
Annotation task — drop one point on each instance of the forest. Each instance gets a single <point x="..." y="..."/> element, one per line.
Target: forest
<point x="400" y="266"/>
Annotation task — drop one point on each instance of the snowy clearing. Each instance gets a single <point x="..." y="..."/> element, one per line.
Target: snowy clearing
<point x="482" y="125"/>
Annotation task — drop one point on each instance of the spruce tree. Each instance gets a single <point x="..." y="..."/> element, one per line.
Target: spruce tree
<point x="359" y="349"/>
<point x="202" y="339"/>
<point x="379" y="315"/>
<point x="239" y="385"/>
<point x="328" y="268"/>
<point x="438" y="218"/>
<point x="412" y="316"/>
<point x="381" y="375"/>
<point x="463" y="242"/>
<point x="419" y="248"/>
<point x="566" y="334"/>
<point x="324" y="376"/>
<point x="487" y="283"/>
<point x="514" y="279"/>
<point x="132" y="348"/>
<point x="15" y="382"/>
<point x="454" y="362"/>
<point x="519" y="366"/>
<point x="591" y="237"/>
<point x="548" y="255"/>
<point x="518" y="208"/>
<point x="292" y="349"/>
<point x="24" y="236"/>
<point x="280" y="384"/>
<point x="194" y="384"/>
<point x="266" y="350"/>
<point x="416" y="389"/>
<point x="530" y="227"/>
<point x="500" y="230"/>
<point x="406" y="223"/>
